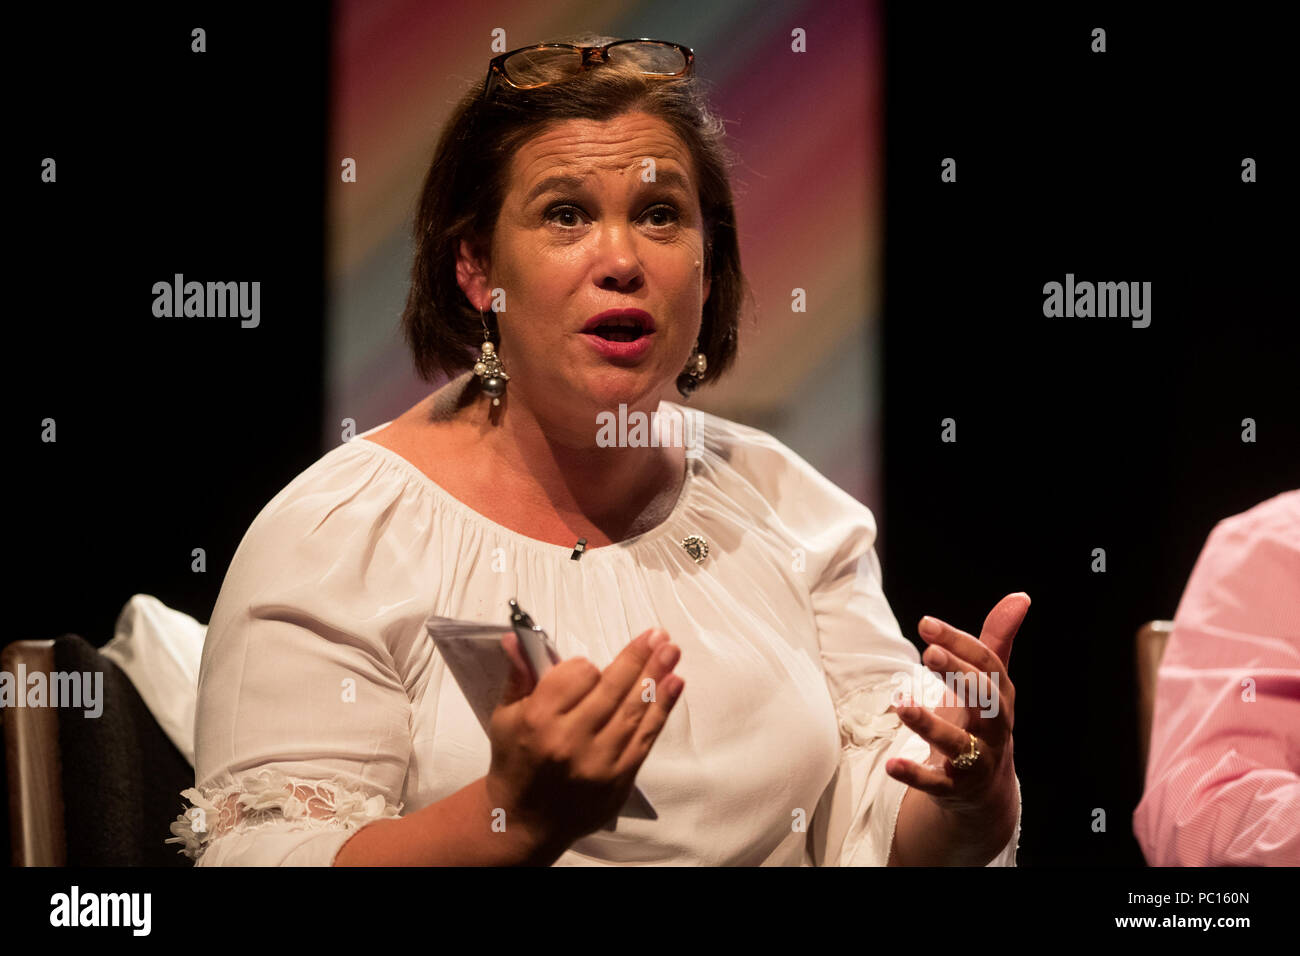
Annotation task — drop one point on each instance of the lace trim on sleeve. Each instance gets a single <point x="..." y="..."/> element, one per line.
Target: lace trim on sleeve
<point x="864" y="715"/>
<point x="269" y="797"/>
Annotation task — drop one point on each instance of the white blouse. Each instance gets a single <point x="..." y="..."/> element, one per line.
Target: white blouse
<point x="323" y="705"/>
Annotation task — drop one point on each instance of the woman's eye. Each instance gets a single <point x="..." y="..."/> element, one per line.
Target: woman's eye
<point x="562" y="209"/>
<point x="665" y="215"/>
<point x="663" y="209"/>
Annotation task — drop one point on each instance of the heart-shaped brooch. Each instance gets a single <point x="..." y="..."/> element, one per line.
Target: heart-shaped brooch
<point x="696" y="547"/>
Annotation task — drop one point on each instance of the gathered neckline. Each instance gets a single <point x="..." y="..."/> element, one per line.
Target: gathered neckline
<point x="684" y="496"/>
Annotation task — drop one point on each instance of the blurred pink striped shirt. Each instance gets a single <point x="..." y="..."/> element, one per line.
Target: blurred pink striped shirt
<point x="1223" y="779"/>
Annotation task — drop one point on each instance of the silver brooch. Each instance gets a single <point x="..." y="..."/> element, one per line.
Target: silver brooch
<point x="696" y="547"/>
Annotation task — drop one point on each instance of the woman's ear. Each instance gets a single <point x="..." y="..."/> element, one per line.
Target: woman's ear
<point x="472" y="277"/>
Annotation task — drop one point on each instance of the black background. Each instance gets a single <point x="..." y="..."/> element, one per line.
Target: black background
<point x="1075" y="434"/>
<point x="172" y="434"/>
<point x="1072" y="434"/>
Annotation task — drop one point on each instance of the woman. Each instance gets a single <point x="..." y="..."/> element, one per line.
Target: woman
<point x="574" y="192"/>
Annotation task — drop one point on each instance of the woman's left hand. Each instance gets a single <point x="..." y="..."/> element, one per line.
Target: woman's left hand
<point x="986" y="789"/>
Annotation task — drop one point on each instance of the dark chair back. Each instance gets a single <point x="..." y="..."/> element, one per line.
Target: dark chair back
<point x="90" y="791"/>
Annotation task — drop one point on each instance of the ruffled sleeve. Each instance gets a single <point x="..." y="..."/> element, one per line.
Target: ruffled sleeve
<point x="271" y="819"/>
<point x="302" y="728"/>
<point x="866" y="661"/>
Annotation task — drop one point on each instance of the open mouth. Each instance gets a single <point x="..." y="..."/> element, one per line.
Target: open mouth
<point x="619" y="329"/>
<point x="619" y="333"/>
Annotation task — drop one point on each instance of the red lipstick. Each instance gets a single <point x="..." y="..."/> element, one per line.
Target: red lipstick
<point x="620" y="334"/>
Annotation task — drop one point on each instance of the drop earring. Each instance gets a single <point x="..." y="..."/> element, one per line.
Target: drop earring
<point x="488" y="367"/>
<point x="689" y="380"/>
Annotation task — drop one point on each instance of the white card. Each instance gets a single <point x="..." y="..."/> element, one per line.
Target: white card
<point x="479" y="663"/>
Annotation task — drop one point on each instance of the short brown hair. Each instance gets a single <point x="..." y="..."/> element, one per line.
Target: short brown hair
<point x="465" y="187"/>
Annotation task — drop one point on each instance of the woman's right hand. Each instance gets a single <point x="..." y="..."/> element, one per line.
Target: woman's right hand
<point x="565" y="752"/>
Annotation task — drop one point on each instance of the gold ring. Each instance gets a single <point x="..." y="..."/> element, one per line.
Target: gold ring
<point x="967" y="760"/>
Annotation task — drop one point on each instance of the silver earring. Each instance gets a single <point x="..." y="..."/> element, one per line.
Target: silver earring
<point x="489" y="369"/>
<point x="689" y="380"/>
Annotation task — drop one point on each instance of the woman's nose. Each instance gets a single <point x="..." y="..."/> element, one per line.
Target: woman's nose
<point x="619" y="263"/>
